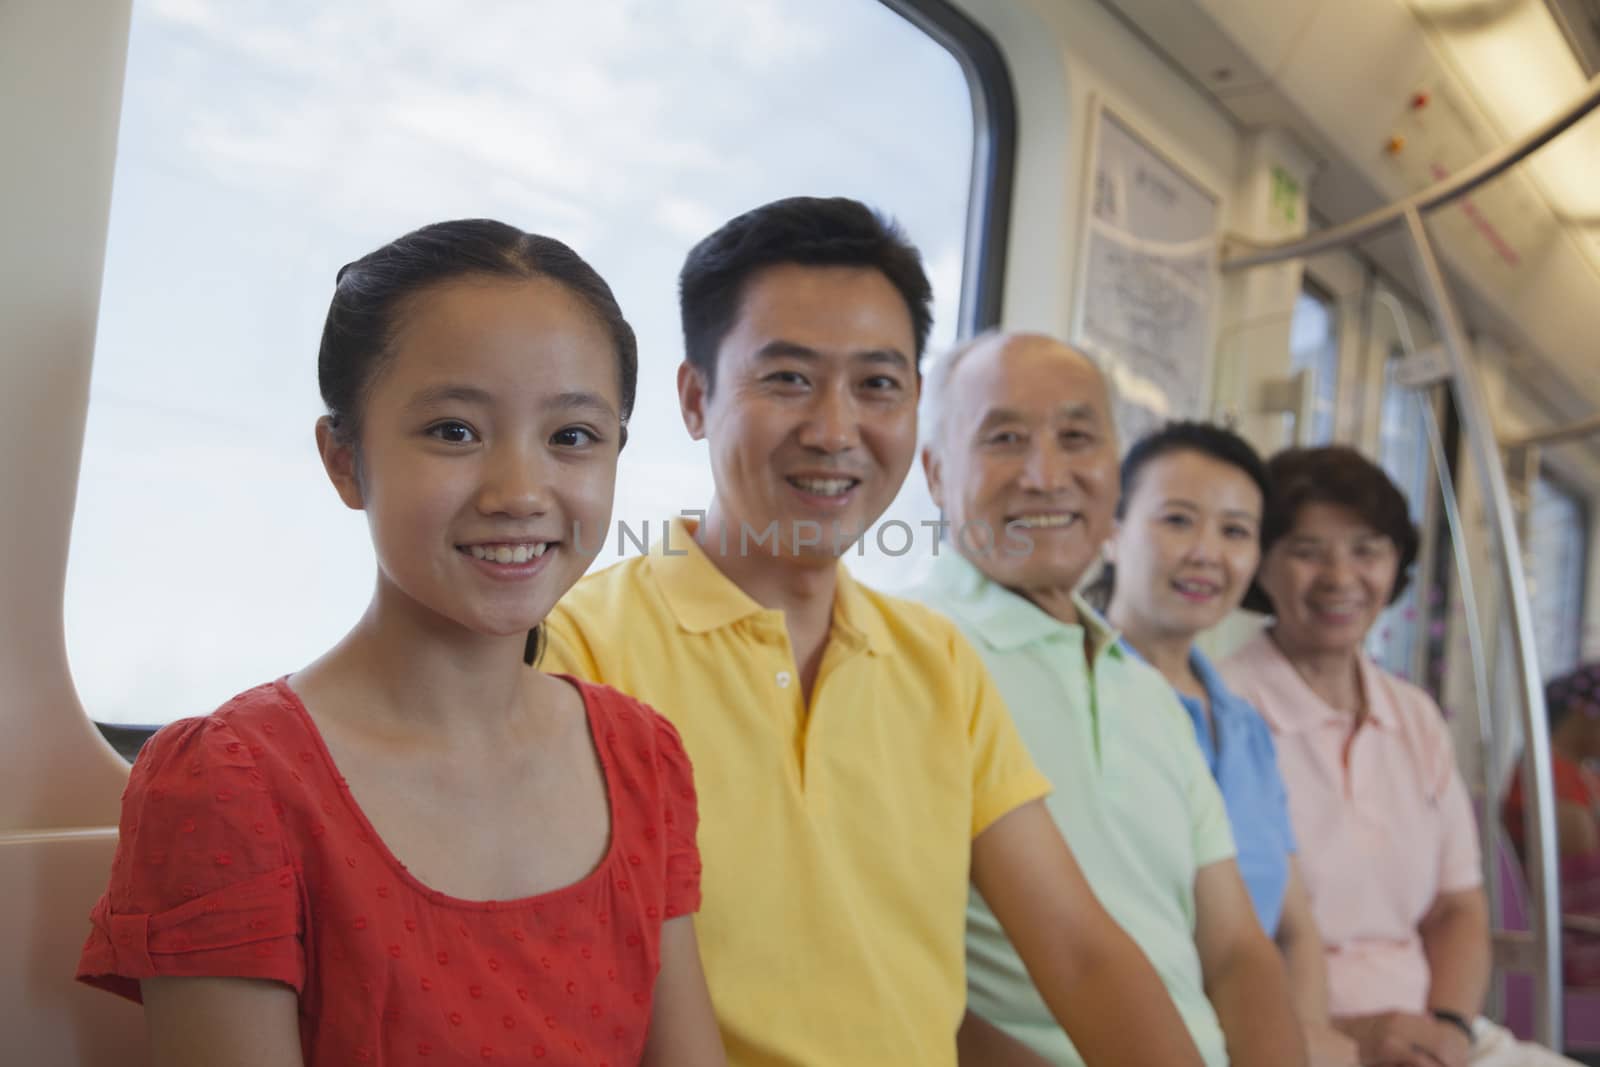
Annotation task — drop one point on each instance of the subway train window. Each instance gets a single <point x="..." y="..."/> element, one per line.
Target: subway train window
<point x="1557" y="551"/>
<point x="264" y="145"/>
<point x="1402" y="633"/>
<point x="1314" y="347"/>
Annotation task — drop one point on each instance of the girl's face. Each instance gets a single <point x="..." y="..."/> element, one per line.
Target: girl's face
<point x="487" y="438"/>
<point x="1329" y="578"/>
<point x="1187" y="544"/>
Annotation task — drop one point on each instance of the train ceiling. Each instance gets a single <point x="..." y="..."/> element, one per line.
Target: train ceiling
<point x="1392" y="95"/>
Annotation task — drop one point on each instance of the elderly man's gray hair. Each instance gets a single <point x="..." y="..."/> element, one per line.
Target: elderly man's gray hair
<point x="935" y="402"/>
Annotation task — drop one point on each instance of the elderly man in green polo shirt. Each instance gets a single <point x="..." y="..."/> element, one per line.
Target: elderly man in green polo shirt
<point x="1021" y="456"/>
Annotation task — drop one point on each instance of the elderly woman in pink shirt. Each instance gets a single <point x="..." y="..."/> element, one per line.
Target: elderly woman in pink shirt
<point x="1388" y="846"/>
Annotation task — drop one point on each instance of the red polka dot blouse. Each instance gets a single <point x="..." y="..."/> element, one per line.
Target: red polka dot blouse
<point x="243" y="854"/>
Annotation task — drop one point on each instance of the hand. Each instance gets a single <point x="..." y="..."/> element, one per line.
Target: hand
<point x="1452" y="1045"/>
<point x="1402" y="1039"/>
<point x="1329" y="1048"/>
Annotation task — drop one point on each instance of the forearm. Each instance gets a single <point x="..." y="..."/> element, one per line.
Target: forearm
<point x="1098" y="985"/>
<point x="1113" y="1004"/>
<point x="1307" y="970"/>
<point x="683" y="1028"/>
<point x="1304" y="957"/>
<point x="980" y="1043"/>
<point x="1254" y="1007"/>
<point x="1455" y="940"/>
<point x="1459" y="974"/>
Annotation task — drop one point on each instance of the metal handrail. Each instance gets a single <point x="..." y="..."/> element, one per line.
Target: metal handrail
<point x="1488" y="815"/>
<point x="1479" y="432"/>
<point x="1436" y="195"/>
<point x="1572" y="431"/>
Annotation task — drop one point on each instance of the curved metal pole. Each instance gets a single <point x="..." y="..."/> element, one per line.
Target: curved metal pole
<point x="1436" y="195"/>
<point x="1572" y="431"/>
<point x="1541" y="843"/>
<point x="1488" y="813"/>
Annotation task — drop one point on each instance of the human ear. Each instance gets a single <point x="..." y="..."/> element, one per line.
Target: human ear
<point x="339" y="460"/>
<point x="1108" y="547"/>
<point x="933" y="471"/>
<point x="692" y="397"/>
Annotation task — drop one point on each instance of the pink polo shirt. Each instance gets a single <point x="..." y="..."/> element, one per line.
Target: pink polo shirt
<point x="1384" y="824"/>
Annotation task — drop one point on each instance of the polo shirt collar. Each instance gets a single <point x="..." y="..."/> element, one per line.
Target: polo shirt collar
<point x="857" y="618"/>
<point x="1004" y="620"/>
<point x="702" y="598"/>
<point x="1217" y="690"/>
<point x="699" y="595"/>
<point x="1312" y="712"/>
<point x="1379" y="709"/>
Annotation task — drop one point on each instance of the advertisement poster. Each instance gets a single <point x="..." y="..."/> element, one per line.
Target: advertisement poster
<point x="1149" y="288"/>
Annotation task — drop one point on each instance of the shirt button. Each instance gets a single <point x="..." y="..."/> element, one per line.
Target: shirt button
<point x="783" y="679"/>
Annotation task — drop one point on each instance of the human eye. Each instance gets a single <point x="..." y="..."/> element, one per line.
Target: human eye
<point x="788" y="379"/>
<point x="1004" y="438"/>
<point x="1177" y="520"/>
<point x="574" y="437"/>
<point x="1370" y="550"/>
<point x="883" y="383"/>
<point x="452" y="432"/>
<point x="1236" y="532"/>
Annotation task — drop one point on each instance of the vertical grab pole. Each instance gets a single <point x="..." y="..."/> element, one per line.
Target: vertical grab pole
<point x="1488" y="747"/>
<point x="1536" y="754"/>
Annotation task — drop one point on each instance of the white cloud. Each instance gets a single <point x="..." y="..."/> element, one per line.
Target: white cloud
<point x="190" y="12"/>
<point x="689" y="219"/>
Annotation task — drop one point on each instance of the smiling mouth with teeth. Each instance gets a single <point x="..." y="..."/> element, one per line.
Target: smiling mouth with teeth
<point x="1042" y="522"/>
<point x="1196" y="588"/>
<point x="517" y="553"/>
<point x="825" y="486"/>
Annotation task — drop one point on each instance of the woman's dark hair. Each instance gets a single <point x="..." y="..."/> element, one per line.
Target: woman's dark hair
<point x="813" y="232"/>
<point x="1340" y="476"/>
<point x="371" y="294"/>
<point x="1203" y="438"/>
<point x="1572" y="691"/>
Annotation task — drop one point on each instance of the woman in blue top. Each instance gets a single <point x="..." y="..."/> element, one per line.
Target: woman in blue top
<point x="1185" y="548"/>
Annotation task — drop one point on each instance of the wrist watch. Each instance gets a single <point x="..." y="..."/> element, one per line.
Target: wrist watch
<point x="1455" y="1019"/>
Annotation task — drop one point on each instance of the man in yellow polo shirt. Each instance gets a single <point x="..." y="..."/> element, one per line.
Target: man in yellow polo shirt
<point x="854" y="762"/>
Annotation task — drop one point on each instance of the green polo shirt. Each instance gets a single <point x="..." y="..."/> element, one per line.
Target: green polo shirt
<point x="1133" y="797"/>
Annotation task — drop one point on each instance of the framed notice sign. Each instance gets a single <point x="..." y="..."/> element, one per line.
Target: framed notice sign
<point x="1147" y="279"/>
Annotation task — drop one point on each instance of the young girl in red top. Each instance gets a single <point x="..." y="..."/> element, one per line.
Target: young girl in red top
<point x="414" y="850"/>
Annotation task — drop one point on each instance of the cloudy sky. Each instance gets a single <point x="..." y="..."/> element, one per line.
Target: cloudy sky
<point x="264" y="145"/>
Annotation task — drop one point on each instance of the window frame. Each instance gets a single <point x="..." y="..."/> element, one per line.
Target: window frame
<point x="1316" y="290"/>
<point x="1559" y="483"/>
<point x="994" y="154"/>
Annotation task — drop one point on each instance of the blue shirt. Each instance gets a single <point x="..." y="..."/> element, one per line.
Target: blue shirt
<point x="1244" y="761"/>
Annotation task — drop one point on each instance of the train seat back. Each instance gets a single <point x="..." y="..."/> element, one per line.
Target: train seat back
<point x="48" y="881"/>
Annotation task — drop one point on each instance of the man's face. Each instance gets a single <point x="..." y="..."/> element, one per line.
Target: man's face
<point x="813" y="420"/>
<point x="1025" y="469"/>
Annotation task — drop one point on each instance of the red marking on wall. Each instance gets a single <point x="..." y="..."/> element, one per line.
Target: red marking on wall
<point x="1501" y="246"/>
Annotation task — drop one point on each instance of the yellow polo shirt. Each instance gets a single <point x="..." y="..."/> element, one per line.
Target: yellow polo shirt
<point x="836" y="838"/>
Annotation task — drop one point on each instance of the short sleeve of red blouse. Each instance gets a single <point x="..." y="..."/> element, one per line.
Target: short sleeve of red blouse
<point x="681" y="818"/>
<point x="202" y="885"/>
